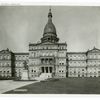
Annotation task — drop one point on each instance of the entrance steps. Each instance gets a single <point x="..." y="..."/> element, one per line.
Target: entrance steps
<point x="44" y="76"/>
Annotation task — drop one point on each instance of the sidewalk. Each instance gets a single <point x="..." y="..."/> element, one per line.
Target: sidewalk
<point x="7" y="85"/>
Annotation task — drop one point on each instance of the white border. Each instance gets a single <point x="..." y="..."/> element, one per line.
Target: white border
<point x="48" y="97"/>
<point x="52" y="2"/>
<point x="47" y="3"/>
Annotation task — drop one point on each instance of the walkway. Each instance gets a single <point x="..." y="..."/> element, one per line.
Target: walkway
<point x="7" y="85"/>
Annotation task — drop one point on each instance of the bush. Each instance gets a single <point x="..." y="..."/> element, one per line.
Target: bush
<point x="5" y="78"/>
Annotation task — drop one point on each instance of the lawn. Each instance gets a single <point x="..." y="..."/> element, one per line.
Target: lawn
<point x="62" y="86"/>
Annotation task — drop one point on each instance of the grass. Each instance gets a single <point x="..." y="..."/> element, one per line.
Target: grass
<point x="62" y="86"/>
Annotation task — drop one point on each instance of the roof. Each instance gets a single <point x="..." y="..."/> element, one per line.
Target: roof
<point x="50" y="28"/>
<point x="5" y="51"/>
<point x="23" y="53"/>
<point x="94" y="50"/>
<point x="35" y="44"/>
<point x="76" y="52"/>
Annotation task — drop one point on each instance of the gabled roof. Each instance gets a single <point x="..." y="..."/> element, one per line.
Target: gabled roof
<point x="7" y="51"/>
<point x="94" y="50"/>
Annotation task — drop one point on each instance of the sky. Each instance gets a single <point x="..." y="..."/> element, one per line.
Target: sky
<point x="78" y="26"/>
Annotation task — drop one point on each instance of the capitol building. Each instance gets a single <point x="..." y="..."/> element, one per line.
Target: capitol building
<point x="49" y="59"/>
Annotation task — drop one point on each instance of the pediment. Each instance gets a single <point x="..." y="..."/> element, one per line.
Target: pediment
<point x="94" y="50"/>
<point x="4" y="51"/>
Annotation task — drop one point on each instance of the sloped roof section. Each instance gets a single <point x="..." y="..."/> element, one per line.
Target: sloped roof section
<point x="7" y="51"/>
<point x="94" y="50"/>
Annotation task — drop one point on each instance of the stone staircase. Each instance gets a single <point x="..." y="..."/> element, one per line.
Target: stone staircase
<point x="44" y="76"/>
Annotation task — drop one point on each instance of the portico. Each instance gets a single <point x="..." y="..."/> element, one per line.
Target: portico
<point x="47" y="64"/>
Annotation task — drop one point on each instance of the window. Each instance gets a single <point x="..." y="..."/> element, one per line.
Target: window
<point x="74" y="71"/>
<point x="82" y="69"/>
<point x="7" y="71"/>
<point x="48" y="38"/>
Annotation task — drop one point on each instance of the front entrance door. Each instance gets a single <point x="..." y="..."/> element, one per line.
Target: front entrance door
<point x="46" y="69"/>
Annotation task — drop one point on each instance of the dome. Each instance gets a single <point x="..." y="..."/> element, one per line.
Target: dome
<point x="50" y="28"/>
<point x="49" y="34"/>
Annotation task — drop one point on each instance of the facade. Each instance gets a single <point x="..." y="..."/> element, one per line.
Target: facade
<point x="77" y="64"/>
<point x="49" y="59"/>
<point x="84" y="64"/>
<point x="6" y="64"/>
<point x="20" y="59"/>
<point x="93" y="63"/>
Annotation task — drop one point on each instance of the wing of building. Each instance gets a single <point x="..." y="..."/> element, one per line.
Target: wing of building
<point x="49" y="59"/>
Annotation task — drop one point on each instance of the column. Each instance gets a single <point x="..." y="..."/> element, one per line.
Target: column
<point x="44" y="61"/>
<point x="44" y="69"/>
<point x="53" y="69"/>
<point x="48" y="69"/>
<point x="47" y="61"/>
